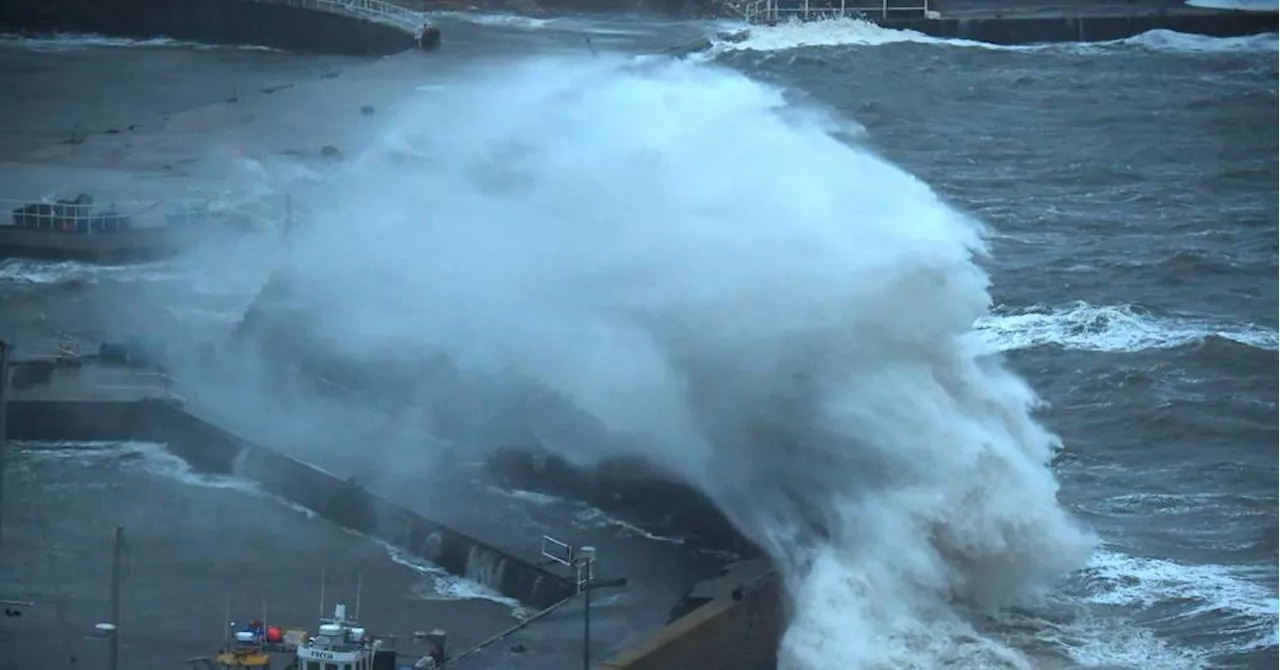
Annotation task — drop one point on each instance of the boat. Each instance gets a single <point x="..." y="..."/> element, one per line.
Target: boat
<point x="75" y="229"/>
<point x="340" y="643"/>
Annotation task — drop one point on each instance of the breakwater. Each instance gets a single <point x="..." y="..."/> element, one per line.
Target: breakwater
<point x="356" y="28"/>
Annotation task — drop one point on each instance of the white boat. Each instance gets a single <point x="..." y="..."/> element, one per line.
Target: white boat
<point x="342" y="644"/>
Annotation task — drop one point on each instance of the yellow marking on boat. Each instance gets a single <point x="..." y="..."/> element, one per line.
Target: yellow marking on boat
<point x="233" y="659"/>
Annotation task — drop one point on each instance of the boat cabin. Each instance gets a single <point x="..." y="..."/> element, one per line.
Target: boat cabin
<point x="339" y="644"/>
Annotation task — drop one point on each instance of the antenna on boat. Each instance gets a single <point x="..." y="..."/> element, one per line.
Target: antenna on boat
<point x="226" y="620"/>
<point x="322" y="578"/>
<point x="359" y="587"/>
<point x="4" y="384"/>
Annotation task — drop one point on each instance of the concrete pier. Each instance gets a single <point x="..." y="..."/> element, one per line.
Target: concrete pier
<point x="94" y="402"/>
<point x="352" y="27"/>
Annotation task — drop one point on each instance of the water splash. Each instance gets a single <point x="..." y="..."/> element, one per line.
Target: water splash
<point x="719" y="284"/>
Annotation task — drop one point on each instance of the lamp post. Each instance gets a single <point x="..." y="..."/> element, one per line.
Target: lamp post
<point x="581" y="563"/>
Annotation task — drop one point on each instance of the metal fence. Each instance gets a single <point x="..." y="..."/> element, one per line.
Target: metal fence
<point x="378" y="11"/>
<point x="86" y="215"/>
<point x="776" y="11"/>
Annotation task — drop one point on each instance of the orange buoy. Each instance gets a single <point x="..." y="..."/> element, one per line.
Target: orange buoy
<point x="273" y="634"/>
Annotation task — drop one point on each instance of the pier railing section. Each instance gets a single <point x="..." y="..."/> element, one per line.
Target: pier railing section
<point x="86" y="215"/>
<point x="377" y="11"/>
<point x="780" y="11"/>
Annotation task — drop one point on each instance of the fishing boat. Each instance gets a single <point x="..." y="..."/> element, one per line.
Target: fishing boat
<point x="340" y="643"/>
<point x="76" y="229"/>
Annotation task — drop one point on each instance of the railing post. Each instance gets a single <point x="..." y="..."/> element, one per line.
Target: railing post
<point x="842" y="8"/>
<point x="884" y="9"/>
<point x="806" y="10"/>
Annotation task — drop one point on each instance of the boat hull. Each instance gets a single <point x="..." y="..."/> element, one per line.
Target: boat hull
<point x="125" y="246"/>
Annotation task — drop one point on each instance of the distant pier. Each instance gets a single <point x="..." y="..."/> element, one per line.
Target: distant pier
<point x="1017" y="22"/>
<point x="344" y="27"/>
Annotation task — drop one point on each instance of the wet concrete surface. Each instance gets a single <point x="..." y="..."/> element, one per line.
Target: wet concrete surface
<point x="659" y="565"/>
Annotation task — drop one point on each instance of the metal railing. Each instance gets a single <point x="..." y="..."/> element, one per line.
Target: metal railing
<point x="85" y="215"/>
<point x="776" y="11"/>
<point x="377" y="11"/>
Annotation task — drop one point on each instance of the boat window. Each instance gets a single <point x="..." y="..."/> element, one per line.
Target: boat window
<point x="313" y="665"/>
<point x="330" y="666"/>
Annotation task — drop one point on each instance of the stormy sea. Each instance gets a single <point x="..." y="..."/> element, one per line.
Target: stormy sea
<point x="978" y="343"/>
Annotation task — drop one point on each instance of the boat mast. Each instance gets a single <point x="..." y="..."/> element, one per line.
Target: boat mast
<point x="359" y="585"/>
<point x="113" y="642"/>
<point x="4" y="388"/>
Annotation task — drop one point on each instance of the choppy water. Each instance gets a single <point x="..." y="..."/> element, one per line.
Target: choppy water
<point x="1131" y="193"/>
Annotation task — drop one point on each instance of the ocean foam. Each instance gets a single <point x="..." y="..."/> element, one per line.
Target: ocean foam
<point x="1086" y="327"/>
<point x="62" y="42"/>
<point x="856" y="32"/>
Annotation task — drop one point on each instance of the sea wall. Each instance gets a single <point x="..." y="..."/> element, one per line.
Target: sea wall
<point x="213" y="450"/>
<point x="251" y="22"/>
<point x="737" y="630"/>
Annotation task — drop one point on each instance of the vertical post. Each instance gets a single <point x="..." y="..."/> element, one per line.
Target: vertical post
<point x="884" y="9"/>
<point x="586" y="626"/>
<point x="4" y="392"/>
<point x="586" y="567"/>
<point x="842" y="12"/>
<point x="113" y="642"/>
<point x="806" y="10"/>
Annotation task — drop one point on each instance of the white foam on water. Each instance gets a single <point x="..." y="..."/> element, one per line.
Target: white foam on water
<point x="496" y="20"/>
<point x="1245" y="5"/>
<point x="829" y="33"/>
<point x="448" y="586"/>
<point x="1120" y="328"/>
<point x="1170" y="41"/>
<point x="587" y="516"/>
<point x="146" y="457"/>
<point x="203" y="279"/>
<point x="62" y="42"/>
<point x="1241" y="605"/>
<point x="597" y="518"/>
<point x="20" y="271"/>
<point x="620" y="232"/>
<point x="533" y="497"/>
<point x="856" y="32"/>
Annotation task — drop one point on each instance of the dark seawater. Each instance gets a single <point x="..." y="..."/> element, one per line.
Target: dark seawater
<point x="1131" y="189"/>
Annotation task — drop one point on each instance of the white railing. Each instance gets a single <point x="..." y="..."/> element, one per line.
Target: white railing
<point x="773" y="11"/>
<point x="377" y="11"/>
<point x="84" y="215"/>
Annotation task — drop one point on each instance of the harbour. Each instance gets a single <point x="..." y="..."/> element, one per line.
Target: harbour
<point x="1107" y="347"/>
